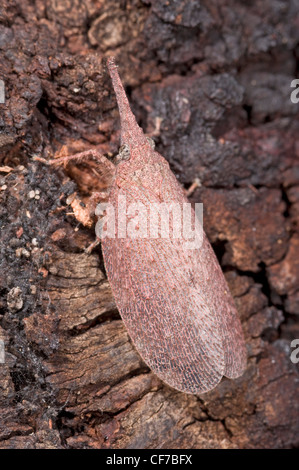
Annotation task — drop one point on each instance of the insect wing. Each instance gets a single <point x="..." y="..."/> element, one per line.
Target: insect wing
<point x="168" y="314"/>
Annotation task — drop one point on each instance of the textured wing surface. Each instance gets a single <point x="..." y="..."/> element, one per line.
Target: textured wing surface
<point x="220" y="297"/>
<point x="177" y="307"/>
<point x="211" y="279"/>
<point x="169" y="320"/>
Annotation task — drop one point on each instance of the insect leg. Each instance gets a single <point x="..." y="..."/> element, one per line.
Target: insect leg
<point x="83" y="156"/>
<point x="196" y="184"/>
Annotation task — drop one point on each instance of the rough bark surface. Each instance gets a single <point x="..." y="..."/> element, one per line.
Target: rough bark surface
<point x="211" y="84"/>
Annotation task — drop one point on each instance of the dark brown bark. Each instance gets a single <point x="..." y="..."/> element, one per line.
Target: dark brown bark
<point x="211" y="84"/>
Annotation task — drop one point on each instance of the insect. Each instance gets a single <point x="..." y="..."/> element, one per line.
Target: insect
<point x="173" y="299"/>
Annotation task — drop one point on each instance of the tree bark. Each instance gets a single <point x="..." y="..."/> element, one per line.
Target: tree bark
<point x="211" y="83"/>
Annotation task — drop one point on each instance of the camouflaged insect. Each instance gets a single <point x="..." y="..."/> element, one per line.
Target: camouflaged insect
<point x="174" y="301"/>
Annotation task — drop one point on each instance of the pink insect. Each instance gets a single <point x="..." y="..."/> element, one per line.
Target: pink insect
<point x="174" y="300"/>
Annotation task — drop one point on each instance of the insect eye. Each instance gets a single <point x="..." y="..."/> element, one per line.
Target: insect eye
<point x="151" y="142"/>
<point x="124" y="152"/>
